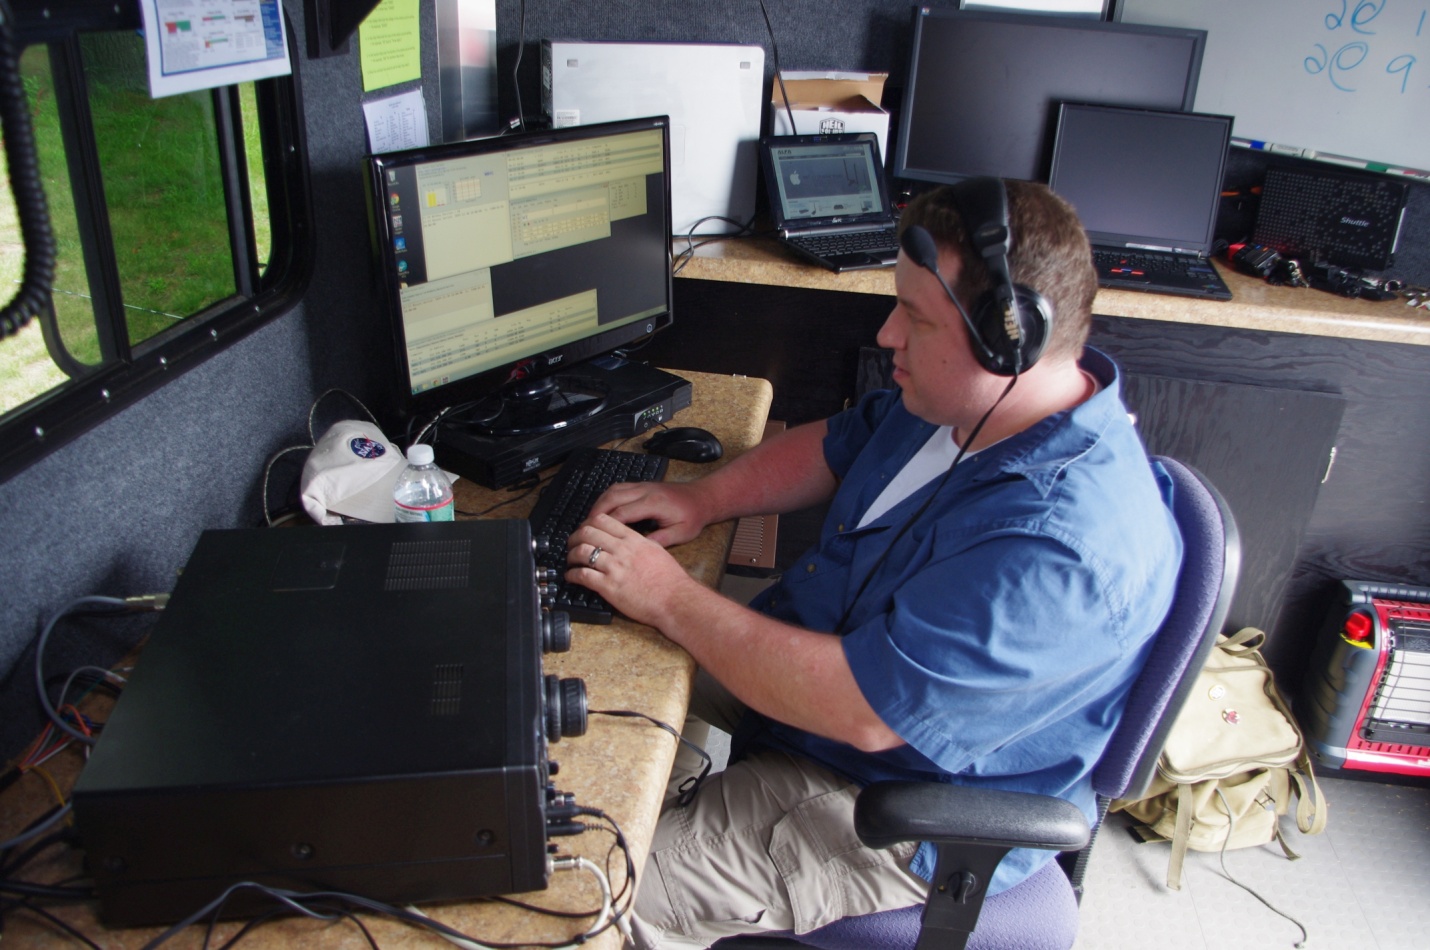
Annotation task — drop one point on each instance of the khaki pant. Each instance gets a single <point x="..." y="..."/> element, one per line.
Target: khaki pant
<point x="767" y="845"/>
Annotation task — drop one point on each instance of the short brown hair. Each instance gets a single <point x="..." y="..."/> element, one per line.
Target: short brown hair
<point x="1049" y="253"/>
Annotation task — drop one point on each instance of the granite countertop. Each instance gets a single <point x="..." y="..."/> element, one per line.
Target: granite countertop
<point x="1255" y="304"/>
<point x="620" y="766"/>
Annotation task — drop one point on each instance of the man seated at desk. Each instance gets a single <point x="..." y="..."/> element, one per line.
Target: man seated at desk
<point x="997" y="556"/>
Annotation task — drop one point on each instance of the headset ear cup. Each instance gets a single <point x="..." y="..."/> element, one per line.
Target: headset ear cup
<point x="1012" y="350"/>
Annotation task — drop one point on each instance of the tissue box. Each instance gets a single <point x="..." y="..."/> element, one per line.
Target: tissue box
<point x="827" y="103"/>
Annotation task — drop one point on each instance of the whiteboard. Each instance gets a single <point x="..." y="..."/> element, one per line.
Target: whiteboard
<point x="1345" y="81"/>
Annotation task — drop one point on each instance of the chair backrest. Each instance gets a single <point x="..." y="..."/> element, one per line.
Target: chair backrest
<point x="1211" y="561"/>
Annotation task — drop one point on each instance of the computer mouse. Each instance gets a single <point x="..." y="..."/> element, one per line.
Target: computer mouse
<point x="686" y="443"/>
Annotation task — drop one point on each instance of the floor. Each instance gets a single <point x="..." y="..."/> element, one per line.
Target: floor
<point x="1357" y="886"/>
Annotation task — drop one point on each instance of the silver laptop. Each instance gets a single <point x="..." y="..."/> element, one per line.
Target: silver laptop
<point x="829" y="199"/>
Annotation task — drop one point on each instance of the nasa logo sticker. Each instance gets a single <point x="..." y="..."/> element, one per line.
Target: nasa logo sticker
<point x="365" y="448"/>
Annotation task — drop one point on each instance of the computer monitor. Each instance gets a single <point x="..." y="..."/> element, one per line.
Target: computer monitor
<point x="506" y="260"/>
<point x="983" y="88"/>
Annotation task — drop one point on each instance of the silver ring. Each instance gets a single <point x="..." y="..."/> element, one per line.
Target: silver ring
<point x="595" y="553"/>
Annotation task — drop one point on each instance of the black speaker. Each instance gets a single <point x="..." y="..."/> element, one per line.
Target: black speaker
<point x="1009" y="323"/>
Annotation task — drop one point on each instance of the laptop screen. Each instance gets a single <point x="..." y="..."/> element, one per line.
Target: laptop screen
<point x="1140" y="178"/>
<point x="827" y="179"/>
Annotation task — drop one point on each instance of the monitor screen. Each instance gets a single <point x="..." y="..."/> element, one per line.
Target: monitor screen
<point x="1142" y="178"/>
<point x="983" y="88"/>
<point x="515" y="256"/>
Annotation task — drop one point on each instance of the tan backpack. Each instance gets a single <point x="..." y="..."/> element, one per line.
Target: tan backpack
<point x="1231" y="763"/>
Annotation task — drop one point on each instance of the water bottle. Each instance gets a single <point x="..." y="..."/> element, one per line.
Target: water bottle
<point x="422" y="492"/>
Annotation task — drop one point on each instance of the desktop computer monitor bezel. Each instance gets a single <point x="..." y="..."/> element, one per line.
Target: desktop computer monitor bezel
<point x="535" y="362"/>
<point x="1014" y="140"/>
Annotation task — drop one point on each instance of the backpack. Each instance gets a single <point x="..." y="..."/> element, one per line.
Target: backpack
<point x="1231" y="763"/>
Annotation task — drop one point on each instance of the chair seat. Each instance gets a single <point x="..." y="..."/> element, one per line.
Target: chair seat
<point x="1045" y="896"/>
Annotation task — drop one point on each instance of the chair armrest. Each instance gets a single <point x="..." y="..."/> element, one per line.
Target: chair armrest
<point x="887" y="813"/>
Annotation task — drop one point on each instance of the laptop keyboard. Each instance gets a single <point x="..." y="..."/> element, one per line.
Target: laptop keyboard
<point x="1184" y="274"/>
<point x="828" y="245"/>
<point x="1123" y="263"/>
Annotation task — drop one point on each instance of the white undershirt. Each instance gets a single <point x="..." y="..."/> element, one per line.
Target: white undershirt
<point x="933" y="460"/>
<point x="927" y="464"/>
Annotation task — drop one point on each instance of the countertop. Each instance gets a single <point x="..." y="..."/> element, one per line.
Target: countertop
<point x="1255" y="304"/>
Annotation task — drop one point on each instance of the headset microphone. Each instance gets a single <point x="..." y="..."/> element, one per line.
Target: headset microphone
<point x="1010" y="323"/>
<point x="919" y="245"/>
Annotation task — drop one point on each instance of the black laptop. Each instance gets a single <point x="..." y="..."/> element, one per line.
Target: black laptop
<point x="1147" y="186"/>
<point x="829" y="199"/>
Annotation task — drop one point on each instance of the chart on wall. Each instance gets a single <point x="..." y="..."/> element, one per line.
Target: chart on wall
<point x="1346" y="81"/>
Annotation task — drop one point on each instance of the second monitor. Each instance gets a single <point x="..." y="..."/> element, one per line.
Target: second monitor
<point x="983" y="87"/>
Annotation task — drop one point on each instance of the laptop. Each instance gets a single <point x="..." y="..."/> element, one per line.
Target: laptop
<point x="1147" y="186"/>
<point x="829" y="199"/>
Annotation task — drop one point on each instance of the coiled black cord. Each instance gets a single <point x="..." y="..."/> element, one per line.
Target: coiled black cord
<point x="25" y="185"/>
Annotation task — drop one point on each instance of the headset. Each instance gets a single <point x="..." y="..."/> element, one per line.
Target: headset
<point x="1010" y="323"/>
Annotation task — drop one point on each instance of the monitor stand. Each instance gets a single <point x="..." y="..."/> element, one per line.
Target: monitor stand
<point x="638" y="398"/>
<point x="534" y="406"/>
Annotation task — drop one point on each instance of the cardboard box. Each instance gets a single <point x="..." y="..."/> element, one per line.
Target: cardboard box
<point x="826" y="103"/>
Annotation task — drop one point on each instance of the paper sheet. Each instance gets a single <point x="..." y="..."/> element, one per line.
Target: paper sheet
<point x="396" y="122"/>
<point x="390" y="44"/>
<point x="194" y="45"/>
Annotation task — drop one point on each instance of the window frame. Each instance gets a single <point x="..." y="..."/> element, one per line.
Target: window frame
<point x="128" y="373"/>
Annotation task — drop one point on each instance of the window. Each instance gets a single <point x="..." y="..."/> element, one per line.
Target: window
<point x="180" y="224"/>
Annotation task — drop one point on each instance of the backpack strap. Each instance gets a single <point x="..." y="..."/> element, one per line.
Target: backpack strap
<point x="1310" y="802"/>
<point x="1181" y="836"/>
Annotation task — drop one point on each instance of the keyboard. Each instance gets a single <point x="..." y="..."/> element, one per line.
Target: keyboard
<point x="1166" y="273"/>
<point x="562" y="507"/>
<point x="829" y="245"/>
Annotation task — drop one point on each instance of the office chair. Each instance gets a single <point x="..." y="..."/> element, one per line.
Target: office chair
<point x="973" y="828"/>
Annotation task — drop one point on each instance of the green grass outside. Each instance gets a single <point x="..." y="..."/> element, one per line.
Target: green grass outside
<point x="160" y="167"/>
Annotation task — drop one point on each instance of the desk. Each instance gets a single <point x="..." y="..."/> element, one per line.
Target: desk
<point x="619" y="766"/>
<point x="1255" y="304"/>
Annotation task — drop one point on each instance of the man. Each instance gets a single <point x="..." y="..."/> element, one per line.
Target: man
<point x="997" y="554"/>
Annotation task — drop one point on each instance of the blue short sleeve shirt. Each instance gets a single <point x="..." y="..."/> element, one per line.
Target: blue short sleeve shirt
<point x="998" y="636"/>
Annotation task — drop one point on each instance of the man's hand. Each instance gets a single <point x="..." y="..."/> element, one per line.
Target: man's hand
<point x="634" y="573"/>
<point x="671" y="506"/>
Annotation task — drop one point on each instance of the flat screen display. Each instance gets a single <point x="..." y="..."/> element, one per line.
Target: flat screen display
<point x="522" y="254"/>
<point x="1142" y="178"/>
<point x="983" y="88"/>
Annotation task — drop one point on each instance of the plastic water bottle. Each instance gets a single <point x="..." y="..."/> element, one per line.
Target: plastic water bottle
<point x="422" y="492"/>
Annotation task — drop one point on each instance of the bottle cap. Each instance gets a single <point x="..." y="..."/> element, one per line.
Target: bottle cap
<point x="420" y="454"/>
